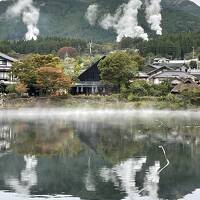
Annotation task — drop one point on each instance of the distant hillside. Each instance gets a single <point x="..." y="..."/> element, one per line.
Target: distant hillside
<point x="66" y="18"/>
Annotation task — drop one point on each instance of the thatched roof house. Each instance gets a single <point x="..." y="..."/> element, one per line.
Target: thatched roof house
<point x="186" y="85"/>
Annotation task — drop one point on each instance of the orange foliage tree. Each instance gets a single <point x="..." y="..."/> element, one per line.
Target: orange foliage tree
<point x="21" y="88"/>
<point x="52" y="79"/>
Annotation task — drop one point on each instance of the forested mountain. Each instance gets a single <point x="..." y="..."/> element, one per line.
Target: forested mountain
<point x="67" y="18"/>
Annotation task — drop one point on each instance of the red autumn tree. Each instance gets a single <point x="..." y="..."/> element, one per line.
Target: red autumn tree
<point x="67" y="52"/>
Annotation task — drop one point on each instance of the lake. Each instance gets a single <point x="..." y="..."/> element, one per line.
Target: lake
<point x="94" y="154"/>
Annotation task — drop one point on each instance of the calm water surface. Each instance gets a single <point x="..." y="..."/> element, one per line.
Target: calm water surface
<point x="84" y="154"/>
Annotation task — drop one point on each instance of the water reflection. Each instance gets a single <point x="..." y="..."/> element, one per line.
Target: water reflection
<point x="5" y="137"/>
<point x="152" y="180"/>
<point x="124" y="175"/>
<point x="9" y="195"/>
<point x="90" y="179"/>
<point x="99" y="155"/>
<point x="28" y="177"/>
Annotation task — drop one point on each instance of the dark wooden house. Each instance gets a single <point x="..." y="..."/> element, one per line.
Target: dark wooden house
<point x="89" y="81"/>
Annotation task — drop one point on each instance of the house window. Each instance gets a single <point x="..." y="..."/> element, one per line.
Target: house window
<point x="1" y="75"/>
<point x="3" y="62"/>
<point x="4" y="76"/>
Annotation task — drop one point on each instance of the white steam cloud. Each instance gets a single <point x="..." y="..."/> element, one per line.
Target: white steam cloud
<point x="30" y="17"/>
<point x="197" y="2"/>
<point x="153" y="15"/>
<point x="125" y="21"/>
<point x="109" y="21"/>
<point x="92" y="14"/>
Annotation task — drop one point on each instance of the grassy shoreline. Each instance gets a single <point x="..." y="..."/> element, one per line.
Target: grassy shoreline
<point x="103" y="102"/>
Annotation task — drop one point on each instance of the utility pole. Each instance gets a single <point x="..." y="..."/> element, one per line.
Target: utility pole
<point x="193" y="52"/>
<point x="90" y="46"/>
<point x="149" y="60"/>
<point x="79" y="49"/>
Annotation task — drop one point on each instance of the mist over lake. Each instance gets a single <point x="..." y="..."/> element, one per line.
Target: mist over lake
<point x="99" y="154"/>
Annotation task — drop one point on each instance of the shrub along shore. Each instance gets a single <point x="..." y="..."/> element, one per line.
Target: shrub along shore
<point x="116" y="101"/>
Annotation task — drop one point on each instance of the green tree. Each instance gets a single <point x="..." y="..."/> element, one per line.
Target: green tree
<point x="118" y="68"/>
<point x="192" y="95"/>
<point x="139" y="88"/>
<point x="193" y="64"/>
<point x="11" y="89"/>
<point x="142" y="88"/>
<point x="130" y="43"/>
<point x="46" y="45"/>
<point x="137" y="58"/>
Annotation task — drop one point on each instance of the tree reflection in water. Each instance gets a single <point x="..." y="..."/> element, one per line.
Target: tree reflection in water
<point x="45" y="139"/>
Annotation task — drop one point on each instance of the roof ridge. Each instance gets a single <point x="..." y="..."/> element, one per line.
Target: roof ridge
<point x="7" y="57"/>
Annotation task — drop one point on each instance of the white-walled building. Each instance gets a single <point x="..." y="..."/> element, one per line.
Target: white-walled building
<point x="6" y="62"/>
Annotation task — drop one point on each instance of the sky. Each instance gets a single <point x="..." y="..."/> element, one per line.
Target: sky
<point x="196" y="1"/>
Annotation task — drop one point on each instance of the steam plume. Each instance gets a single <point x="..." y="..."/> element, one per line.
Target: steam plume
<point x="153" y="15"/>
<point x="109" y="21"/>
<point x="197" y="2"/>
<point x="30" y="16"/>
<point x="125" y="21"/>
<point x="92" y="14"/>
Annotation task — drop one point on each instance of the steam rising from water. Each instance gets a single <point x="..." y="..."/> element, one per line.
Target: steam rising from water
<point x="93" y="114"/>
<point x="30" y="16"/>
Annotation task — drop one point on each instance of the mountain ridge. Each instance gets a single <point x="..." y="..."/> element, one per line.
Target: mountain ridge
<point x="66" y="18"/>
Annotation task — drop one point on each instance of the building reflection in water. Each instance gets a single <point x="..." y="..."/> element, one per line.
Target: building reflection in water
<point x="28" y="177"/>
<point x="6" y="137"/>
